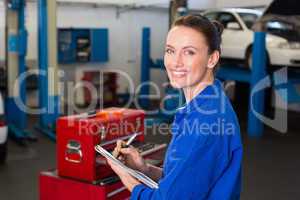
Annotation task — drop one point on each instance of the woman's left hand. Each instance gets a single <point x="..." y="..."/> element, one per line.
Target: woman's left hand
<point x="129" y="181"/>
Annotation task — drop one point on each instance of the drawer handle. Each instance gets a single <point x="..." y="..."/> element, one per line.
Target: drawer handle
<point x="73" y="152"/>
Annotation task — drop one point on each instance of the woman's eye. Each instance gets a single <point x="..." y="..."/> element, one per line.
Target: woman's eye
<point x="169" y="51"/>
<point x="189" y="52"/>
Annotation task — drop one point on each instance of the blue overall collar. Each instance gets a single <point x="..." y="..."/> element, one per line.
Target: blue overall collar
<point x="196" y="103"/>
<point x="201" y="97"/>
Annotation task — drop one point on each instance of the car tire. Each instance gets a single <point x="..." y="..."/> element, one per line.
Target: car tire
<point x="3" y="153"/>
<point x="248" y="59"/>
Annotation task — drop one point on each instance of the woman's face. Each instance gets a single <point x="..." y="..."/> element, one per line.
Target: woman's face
<point x="186" y="57"/>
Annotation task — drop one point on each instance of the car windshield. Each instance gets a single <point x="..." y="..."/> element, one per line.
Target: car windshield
<point x="249" y="19"/>
<point x="277" y="25"/>
<point x="283" y="29"/>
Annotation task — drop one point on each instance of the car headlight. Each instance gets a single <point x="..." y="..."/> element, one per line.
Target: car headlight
<point x="295" y="45"/>
<point x="289" y="45"/>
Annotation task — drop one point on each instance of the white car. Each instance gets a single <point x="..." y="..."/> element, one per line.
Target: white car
<point x="3" y="133"/>
<point x="238" y="37"/>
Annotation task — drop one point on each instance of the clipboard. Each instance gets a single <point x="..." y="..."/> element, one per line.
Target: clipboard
<point x="137" y="174"/>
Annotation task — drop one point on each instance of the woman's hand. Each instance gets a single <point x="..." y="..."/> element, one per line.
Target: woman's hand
<point x="129" y="181"/>
<point x="131" y="157"/>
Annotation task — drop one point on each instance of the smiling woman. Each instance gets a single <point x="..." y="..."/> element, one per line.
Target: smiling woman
<point x="204" y="157"/>
<point x="192" y="53"/>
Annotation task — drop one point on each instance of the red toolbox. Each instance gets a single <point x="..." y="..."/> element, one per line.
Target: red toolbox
<point x="53" y="187"/>
<point x="78" y="134"/>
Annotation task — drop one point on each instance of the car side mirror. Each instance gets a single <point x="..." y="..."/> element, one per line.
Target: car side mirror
<point x="233" y="26"/>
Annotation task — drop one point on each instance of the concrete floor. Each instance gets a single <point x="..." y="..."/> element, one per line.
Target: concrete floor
<point x="271" y="165"/>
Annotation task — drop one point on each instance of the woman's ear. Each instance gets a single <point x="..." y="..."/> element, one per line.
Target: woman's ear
<point x="213" y="59"/>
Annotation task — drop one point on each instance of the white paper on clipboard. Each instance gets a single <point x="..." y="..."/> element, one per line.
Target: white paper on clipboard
<point x="138" y="175"/>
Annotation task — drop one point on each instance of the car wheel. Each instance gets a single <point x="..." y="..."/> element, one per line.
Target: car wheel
<point x="3" y="152"/>
<point x="248" y="60"/>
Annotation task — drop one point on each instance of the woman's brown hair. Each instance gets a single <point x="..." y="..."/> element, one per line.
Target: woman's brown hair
<point x="211" y="30"/>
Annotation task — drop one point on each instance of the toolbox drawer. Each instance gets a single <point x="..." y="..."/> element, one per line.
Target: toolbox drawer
<point x="53" y="187"/>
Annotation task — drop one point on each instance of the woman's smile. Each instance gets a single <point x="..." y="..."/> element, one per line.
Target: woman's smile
<point x="179" y="73"/>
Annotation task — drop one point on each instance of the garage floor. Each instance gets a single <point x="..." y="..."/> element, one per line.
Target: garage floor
<point x="271" y="165"/>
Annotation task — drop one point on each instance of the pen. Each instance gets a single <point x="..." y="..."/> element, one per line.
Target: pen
<point x="130" y="140"/>
<point x="126" y="145"/>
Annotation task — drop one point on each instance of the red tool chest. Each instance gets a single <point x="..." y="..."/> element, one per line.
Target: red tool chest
<point x="81" y="172"/>
<point x="78" y="134"/>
